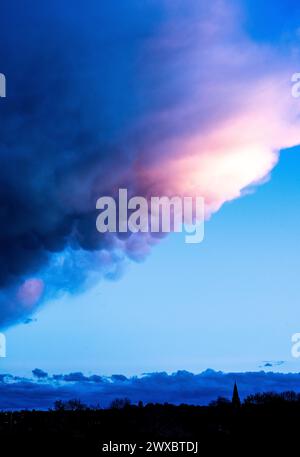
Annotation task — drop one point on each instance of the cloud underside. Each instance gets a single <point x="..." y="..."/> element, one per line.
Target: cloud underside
<point x="168" y="98"/>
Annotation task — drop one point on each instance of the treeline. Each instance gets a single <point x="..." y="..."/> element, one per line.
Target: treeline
<point x="265" y="398"/>
<point x="261" y="420"/>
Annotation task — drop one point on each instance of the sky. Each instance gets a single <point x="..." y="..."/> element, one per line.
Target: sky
<point x="163" y="98"/>
<point x="150" y="320"/>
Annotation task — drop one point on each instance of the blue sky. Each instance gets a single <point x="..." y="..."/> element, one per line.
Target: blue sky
<point x="229" y="303"/>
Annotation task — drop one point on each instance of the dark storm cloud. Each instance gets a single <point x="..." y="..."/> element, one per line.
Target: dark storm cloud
<point x="70" y="102"/>
<point x="107" y="94"/>
<point x="179" y="387"/>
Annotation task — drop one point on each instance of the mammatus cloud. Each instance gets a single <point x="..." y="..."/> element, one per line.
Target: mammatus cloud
<point x="170" y="97"/>
<point x="176" y="388"/>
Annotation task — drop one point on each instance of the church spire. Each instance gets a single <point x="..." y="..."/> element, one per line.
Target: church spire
<point x="236" y="402"/>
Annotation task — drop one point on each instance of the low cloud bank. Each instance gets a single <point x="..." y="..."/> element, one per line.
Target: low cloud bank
<point x="41" y="391"/>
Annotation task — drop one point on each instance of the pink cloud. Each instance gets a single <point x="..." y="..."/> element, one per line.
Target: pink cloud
<point x="30" y="292"/>
<point x="233" y="115"/>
